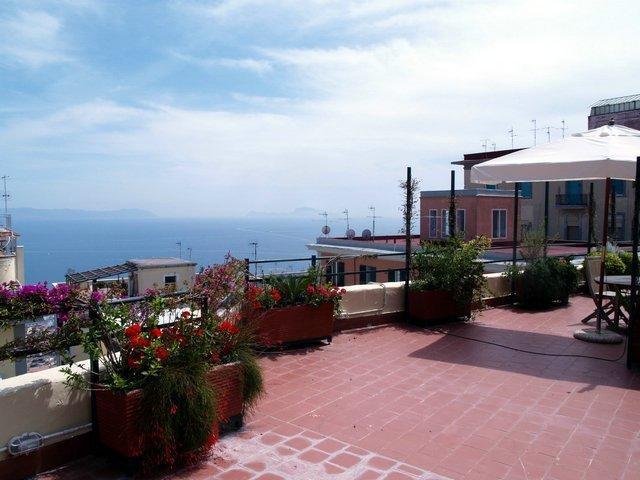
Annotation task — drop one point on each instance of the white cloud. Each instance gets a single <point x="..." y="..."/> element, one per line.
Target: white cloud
<point x="401" y="83"/>
<point x="258" y="66"/>
<point x="32" y="39"/>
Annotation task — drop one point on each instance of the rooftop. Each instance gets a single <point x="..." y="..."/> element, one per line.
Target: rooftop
<point x="398" y="402"/>
<point x="616" y="100"/>
<point x="160" y="262"/>
<point x="469" y="192"/>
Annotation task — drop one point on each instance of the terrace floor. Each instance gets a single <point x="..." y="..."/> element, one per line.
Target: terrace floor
<point x="397" y="402"/>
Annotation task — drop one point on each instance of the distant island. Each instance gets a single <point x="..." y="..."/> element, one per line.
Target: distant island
<point x="300" y="212"/>
<point x="71" y="213"/>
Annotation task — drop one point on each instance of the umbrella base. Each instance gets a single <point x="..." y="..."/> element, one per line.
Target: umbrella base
<point x="592" y="335"/>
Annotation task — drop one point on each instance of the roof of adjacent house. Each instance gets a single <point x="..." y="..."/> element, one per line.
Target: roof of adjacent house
<point x="160" y="262"/>
<point x="616" y="100"/>
<point x="127" y="267"/>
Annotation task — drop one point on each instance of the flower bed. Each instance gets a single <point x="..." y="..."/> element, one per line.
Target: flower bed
<point x="292" y="309"/>
<point x="164" y="390"/>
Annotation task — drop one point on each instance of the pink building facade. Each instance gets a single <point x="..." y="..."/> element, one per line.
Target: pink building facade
<point x="478" y="212"/>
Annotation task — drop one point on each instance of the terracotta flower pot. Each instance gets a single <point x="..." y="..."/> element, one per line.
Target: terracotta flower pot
<point x="118" y="413"/>
<point x="437" y="306"/>
<point x="301" y="323"/>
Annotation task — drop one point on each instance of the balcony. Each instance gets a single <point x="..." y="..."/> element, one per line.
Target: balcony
<point x="396" y="401"/>
<point x="572" y="200"/>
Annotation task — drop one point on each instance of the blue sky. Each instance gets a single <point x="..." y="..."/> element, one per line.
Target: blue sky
<point x="217" y="108"/>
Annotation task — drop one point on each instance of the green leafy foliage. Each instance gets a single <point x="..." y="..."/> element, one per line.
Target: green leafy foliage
<point x="451" y="266"/>
<point x="544" y="282"/>
<point x="178" y="415"/>
<point x="613" y="263"/>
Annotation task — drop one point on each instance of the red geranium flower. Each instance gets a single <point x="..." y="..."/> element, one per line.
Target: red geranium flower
<point x="275" y="295"/>
<point x="215" y="358"/>
<point x="133" y="330"/>
<point x="199" y="332"/>
<point x="139" y="342"/>
<point x="156" y="332"/>
<point x="161" y="353"/>
<point x="173" y="409"/>
<point x="311" y="290"/>
<point x="229" y="327"/>
<point x="185" y="315"/>
<point x="134" y="361"/>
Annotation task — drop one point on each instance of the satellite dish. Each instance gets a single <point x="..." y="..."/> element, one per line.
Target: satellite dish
<point x="326" y="229"/>
<point x="366" y="234"/>
<point x="351" y="233"/>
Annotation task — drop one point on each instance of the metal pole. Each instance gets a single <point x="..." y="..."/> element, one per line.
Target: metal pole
<point x="452" y="205"/>
<point x="407" y="241"/>
<point x="612" y="228"/>
<point x="633" y="348"/>
<point x="605" y="233"/>
<point x="591" y="215"/>
<point x="546" y="216"/>
<point x="247" y="273"/>
<point x="514" y="252"/>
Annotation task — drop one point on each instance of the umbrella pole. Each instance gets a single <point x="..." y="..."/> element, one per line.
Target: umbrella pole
<point x="515" y="236"/>
<point x="605" y="225"/>
<point x="632" y="332"/>
<point x="546" y="216"/>
<point x="591" y="212"/>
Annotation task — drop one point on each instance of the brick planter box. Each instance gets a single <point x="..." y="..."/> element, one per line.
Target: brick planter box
<point x="432" y="307"/>
<point x="302" y="323"/>
<point x="118" y="414"/>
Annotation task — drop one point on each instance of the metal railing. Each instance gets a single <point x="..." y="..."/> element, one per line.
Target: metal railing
<point x="572" y="199"/>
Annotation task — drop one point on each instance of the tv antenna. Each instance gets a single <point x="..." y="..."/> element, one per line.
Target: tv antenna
<point x="255" y="256"/>
<point x="564" y="127"/>
<point x="548" y="129"/>
<point x="512" y="134"/>
<point x="346" y="213"/>
<point x="5" y="195"/>
<point x="189" y="252"/>
<point x="535" y="132"/>
<point x="179" y="244"/>
<point x="493" y="145"/>
<point x="485" y="143"/>
<point x="325" y="228"/>
<point x="373" y="221"/>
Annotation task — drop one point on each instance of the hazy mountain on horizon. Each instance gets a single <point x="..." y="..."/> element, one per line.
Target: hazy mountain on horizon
<point x="299" y="212"/>
<point x="73" y="213"/>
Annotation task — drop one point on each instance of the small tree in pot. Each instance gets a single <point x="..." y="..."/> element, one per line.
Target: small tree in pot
<point x="447" y="279"/>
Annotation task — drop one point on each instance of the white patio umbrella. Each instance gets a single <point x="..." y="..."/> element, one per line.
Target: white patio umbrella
<point x="608" y="152"/>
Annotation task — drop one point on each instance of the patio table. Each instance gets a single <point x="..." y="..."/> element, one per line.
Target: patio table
<point x="619" y="283"/>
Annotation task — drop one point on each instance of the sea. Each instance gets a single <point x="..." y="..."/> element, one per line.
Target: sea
<point x="55" y="247"/>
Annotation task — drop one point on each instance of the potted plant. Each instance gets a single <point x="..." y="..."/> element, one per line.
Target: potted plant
<point x="543" y="281"/>
<point x="289" y="309"/>
<point x="163" y="391"/>
<point x="446" y="280"/>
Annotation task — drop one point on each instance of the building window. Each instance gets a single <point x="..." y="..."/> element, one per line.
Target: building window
<point x="367" y="274"/>
<point x="445" y="223"/>
<point x="499" y="223"/>
<point x="620" y="230"/>
<point x="526" y="189"/>
<point x="396" y="275"/>
<point x="490" y="187"/>
<point x="170" y="281"/>
<point x="460" y="220"/>
<point x="619" y="187"/>
<point x="339" y="280"/>
<point x="433" y="223"/>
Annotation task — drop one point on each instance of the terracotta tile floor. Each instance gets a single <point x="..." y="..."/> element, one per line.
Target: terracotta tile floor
<point x="404" y="403"/>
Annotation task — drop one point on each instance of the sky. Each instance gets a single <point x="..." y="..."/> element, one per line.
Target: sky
<point x="217" y="108"/>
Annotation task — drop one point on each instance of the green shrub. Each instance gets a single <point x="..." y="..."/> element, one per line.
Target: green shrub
<point x="626" y="259"/>
<point x="544" y="282"/>
<point x="613" y="264"/>
<point x="451" y="266"/>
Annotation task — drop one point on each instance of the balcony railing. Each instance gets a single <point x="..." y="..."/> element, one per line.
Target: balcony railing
<point x="572" y="199"/>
